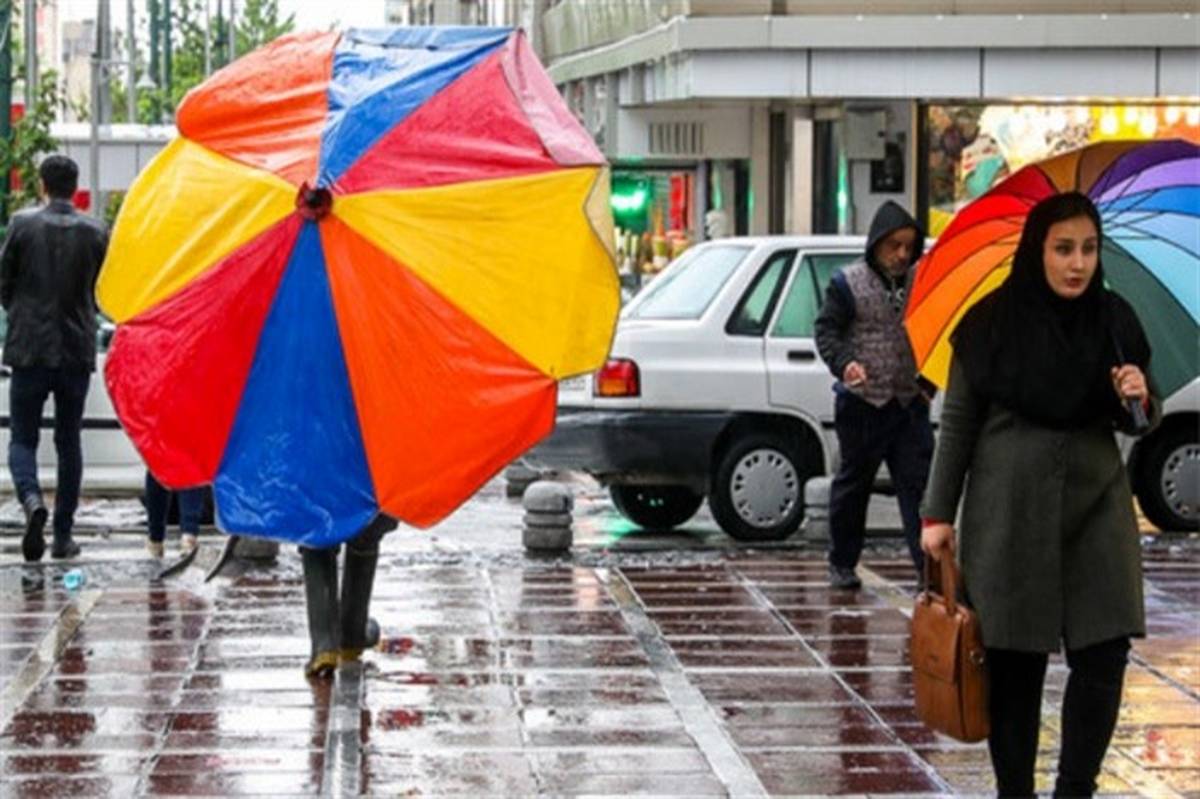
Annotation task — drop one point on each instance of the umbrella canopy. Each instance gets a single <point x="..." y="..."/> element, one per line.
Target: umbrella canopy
<point x="1148" y="195"/>
<point x="353" y="281"/>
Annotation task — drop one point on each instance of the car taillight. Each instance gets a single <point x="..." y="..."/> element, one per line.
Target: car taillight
<point x="617" y="378"/>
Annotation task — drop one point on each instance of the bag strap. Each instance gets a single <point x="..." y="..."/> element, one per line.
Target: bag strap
<point x="947" y="581"/>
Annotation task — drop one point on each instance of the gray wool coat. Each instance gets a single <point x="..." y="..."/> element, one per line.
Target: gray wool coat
<point x="1047" y="539"/>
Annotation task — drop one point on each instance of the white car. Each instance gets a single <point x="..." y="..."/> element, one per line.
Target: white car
<point x="714" y="389"/>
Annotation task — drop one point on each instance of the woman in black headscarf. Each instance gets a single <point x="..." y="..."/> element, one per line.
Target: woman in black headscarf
<point x="1044" y="370"/>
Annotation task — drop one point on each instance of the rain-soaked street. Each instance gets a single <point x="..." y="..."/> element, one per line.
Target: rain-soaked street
<point x="677" y="664"/>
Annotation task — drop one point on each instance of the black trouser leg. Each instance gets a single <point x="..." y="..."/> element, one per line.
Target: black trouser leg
<point x="359" y="631"/>
<point x="1015" y="705"/>
<point x="70" y="395"/>
<point x="850" y="493"/>
<point x="1089" y="715"/>
<point x="321" y="601"/>
<point x="908" y="460"/>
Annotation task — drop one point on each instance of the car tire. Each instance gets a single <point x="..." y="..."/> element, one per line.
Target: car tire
<point x="656" y="507"/>
<point x="758" y="488"/>
<point x="1168" y="479"/>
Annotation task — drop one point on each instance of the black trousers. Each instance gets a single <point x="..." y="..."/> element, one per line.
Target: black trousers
<point x="867" y="437"/>
<point x="1089" y="715"/>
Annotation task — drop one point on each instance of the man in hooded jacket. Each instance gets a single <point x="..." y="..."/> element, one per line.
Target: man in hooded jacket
<point x="881" y="407"/>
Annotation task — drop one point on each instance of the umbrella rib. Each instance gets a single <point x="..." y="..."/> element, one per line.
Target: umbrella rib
<point x="1133" y="225"/>
<point x="1132" y="178"/>
<point x="980" y="248"/>
<point x="1165" y="290"/>
<point x="957" y="307"/>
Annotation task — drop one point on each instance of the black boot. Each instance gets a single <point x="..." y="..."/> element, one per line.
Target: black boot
<point x="359" y="631"/>
<point x="33" y="543"/>
<point x="321" y="599"/>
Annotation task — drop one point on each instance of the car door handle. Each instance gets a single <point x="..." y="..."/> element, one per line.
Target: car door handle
<point x="803" y="356"/>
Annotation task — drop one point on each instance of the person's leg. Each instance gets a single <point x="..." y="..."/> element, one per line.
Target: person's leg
<point x="1015" y="706"/>
<point x="70" y="394"/>
<point x="1091" y="705"/>
<point x="850" y="492"/>
<point x="321" y="601"/>
<point x="27" y="392"/>
<point x="359" y="630"/>
<point x="158" y="499"/>
<point x="908" y="458"/>
<point x="191" y="509"/>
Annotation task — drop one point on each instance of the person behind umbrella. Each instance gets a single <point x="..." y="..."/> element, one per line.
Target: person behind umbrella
<point x="882" y="408"/>
<point x="1047" y="538"/>
<point x="48" y="267"/>
<point x="339" y="627"/>
<point x="158" y="508"/>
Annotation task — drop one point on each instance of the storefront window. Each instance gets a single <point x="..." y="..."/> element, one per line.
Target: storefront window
<point x="972" y="147"/>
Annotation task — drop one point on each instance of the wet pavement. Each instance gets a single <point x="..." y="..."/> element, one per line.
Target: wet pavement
<point x="681" y="665"/>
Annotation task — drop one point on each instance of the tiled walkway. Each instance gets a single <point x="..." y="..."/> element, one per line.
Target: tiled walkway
<point x="736" y="672"/>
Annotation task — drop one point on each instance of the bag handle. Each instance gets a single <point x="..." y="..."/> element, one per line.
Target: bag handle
<point x="948" y="579"/>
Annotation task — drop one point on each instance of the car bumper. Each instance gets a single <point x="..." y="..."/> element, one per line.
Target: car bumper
<point x="632" y="445"/>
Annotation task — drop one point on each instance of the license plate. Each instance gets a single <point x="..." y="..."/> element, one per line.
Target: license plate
<point x="578" y="383"/>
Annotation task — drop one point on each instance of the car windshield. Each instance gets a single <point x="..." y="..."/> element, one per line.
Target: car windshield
<point x="688" y="288"/>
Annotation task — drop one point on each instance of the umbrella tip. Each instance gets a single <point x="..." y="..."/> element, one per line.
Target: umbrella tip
<point x="314" y="203"/>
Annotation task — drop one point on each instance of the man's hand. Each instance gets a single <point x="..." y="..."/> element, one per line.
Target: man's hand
<point x="938" y="540"/>
<point x="854" y="374"/>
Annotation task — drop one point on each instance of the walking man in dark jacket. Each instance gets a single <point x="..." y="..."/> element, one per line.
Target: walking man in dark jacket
<point x="882" y="409"/>
<point x="48" y="267"/>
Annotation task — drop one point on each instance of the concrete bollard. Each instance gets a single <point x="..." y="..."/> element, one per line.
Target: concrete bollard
<point x="518" y="477"/>
<point x="547" y="519"/>
<point x="816" y="509"/>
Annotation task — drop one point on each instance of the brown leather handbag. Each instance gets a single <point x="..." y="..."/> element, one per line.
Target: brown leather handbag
<point x="949" y="670"/>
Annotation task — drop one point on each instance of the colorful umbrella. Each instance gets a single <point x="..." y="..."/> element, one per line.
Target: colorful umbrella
<point x="1148" y="194"/>
<point x="352" y="282"/>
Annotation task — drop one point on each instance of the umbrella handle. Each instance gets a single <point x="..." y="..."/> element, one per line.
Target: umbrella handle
<point x="1140" y="423"/>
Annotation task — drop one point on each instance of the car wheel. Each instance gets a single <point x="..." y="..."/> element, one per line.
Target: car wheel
<point x="1169" y="479"/>
<point x="658" y="507"/>
<point x="758" y="491"/>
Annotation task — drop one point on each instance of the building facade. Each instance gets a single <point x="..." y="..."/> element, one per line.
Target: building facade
<point x="797" y="116"/>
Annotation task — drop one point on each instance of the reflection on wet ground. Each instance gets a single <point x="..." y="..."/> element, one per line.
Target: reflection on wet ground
<point x="713" y="671"/>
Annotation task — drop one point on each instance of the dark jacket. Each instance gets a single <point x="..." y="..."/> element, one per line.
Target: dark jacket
<point x="1048" y="539"/>
<point x="835" y="323"/>
<point x="48" y="267"/>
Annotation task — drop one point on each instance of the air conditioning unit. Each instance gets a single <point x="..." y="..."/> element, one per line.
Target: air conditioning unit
<point x="676" y="138"/>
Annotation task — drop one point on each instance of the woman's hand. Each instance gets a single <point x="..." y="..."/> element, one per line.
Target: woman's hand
<point x="1130" y="383"/>
<point x="938" y="540"/>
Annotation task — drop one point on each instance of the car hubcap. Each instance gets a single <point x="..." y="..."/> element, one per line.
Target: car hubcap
<point x="764" y="487"/>
<point x="1180" y="481"/>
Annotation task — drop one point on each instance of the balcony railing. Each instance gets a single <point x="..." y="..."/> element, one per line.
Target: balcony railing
<point x="575" y="25"/>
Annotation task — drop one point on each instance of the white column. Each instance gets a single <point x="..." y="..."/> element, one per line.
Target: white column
<point x="802" y="172"/>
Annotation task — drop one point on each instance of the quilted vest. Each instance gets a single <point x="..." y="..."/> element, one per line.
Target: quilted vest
<point x="879" y="341"/>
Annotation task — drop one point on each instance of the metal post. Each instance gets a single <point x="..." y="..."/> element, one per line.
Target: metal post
<point x="5" y="98"/>
<point x="94" y="136"/>
<point x="232" y="30"/>
<point x="155" y="74"/>
<point x="168" y="68"/>
<point x="207" y="39"/>
<point x="31" y="56"/>
<point x="131" y="62"/>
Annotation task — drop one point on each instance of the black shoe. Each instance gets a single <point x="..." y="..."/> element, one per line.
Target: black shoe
<point x="64" y="550"/>
<point x="840" y="577"/>
<point x="33" y="544"/>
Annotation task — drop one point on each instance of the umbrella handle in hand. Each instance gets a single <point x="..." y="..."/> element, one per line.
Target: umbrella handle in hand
<point x="1140" y="422"/>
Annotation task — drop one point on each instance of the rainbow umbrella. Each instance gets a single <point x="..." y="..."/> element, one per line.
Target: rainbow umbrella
<point x="352" y="282"/>
<point x="1148" y="195"/>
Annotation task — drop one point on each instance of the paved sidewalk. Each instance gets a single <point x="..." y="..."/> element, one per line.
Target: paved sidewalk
<point x="720" y="670"/>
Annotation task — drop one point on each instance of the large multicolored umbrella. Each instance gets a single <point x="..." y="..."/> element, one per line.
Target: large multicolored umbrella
<point x="352" y="282"/>
<point x="1148" y="195"/>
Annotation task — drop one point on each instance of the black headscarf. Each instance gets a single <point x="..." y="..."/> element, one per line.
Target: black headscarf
<point x="1042" y="356"/>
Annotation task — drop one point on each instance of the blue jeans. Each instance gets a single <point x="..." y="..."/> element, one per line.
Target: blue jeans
<point x="27" y="392"/>
<point x="158" y="506"/>
<point x="867" y="437"/>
